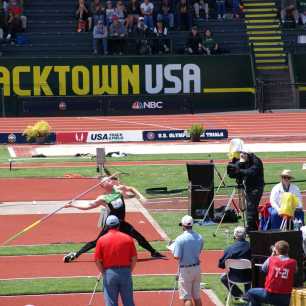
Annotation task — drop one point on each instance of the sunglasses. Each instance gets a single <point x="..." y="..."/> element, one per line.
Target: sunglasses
<point x="286" y="177"/>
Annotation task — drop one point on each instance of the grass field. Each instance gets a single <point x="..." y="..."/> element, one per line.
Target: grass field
<point x="174" y="177"/>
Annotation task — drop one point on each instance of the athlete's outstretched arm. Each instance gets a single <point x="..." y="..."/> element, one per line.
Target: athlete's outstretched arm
<point x="87" y="205"/>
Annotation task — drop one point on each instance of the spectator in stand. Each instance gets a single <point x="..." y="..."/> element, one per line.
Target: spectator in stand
<point x="16" y="7"/>
<point x="194" y="43"/>
<point x="2" y="20"/>
<point x="14" y="26"/>
<point x="109" y="12"/>
<point x="201" y="7"/>
<point x="210" y="46"/>
<point x="133" y="11"/>
<point x="120" y="11"/>
<point x="143" y="34"/>
<point x="117" y="33"/>
<point x="220" y="9"/>
<point x="98" y="12"/>
<point x="289" y="10"/>
<point x="83" y="16"/>
<point x="100" y="38"/>
<point x="147" y="9"/>
<point x="302" y="11"/>
<point x="236" y="8"/>
<point x="161" y="43"/>
<point x="183" y="15"/>
<point x="165" y="14"/>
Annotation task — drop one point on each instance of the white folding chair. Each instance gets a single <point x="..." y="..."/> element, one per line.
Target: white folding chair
<point x="237" y="264"/>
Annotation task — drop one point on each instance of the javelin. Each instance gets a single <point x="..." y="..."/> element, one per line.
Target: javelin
<point x="31" y="226"/>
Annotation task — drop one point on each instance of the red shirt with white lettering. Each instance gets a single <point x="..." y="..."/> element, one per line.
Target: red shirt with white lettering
<point x="280" y="275"/>
<point x="115" y="249"/>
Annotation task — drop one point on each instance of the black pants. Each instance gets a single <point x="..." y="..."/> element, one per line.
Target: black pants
<point x="124" y="227"/>
<point x="236" y="291"/>
<point x="253" y="197"/>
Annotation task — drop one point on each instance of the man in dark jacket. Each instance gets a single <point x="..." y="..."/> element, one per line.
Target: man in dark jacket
<point x="239" y="250"/>
<point x="249" y="173"/>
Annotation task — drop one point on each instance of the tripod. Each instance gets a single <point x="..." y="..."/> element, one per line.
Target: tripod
<point x="240" y="191"/>
<point x="231" y="199"/>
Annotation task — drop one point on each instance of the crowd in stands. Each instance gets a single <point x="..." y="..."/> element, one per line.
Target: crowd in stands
<point x="12" y="19"/>
<point x="148" y="23"/>
<point x="293" y="10"/>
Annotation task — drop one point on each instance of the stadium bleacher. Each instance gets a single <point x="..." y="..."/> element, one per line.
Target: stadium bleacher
<point x="52" y="32"/>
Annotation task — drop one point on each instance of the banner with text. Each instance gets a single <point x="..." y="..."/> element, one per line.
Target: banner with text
<point x="98" y="136"/>
<point x="183" y="135"/>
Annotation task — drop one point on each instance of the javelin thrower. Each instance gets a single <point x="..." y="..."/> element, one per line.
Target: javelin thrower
<point x="113" y="203"/>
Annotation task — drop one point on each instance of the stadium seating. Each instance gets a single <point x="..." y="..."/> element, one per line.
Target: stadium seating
<point x="52" y="32"/>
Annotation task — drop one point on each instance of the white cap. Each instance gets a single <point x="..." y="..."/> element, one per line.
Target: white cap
<point x="239" y="232"/>
<point x="236" y="145"/>
<point x="186" y="221"/>
<point x="287" y="172"/>
<point x="112" y="221"/>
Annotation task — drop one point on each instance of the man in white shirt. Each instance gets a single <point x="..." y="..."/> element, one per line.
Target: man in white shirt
<point x="146" y="9"/>
<point x="276" y="197"/>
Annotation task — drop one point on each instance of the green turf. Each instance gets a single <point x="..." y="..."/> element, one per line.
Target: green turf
<point x="59" y="248"/>
<point x="86" y="284"/>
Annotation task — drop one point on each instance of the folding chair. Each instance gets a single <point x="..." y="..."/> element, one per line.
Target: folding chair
<point x="237" y="264"/>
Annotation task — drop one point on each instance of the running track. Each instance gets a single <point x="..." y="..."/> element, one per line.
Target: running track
<point x="251" y="125"/>
<point x="147" y="298"/>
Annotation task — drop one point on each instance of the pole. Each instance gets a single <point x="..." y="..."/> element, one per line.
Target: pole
<point x="94" y="291"/>
<point x="31" y="226"/>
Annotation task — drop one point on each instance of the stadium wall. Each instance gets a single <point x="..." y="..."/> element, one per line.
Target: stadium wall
<point x="126" y="85"/>
<point x="299" y="68"/>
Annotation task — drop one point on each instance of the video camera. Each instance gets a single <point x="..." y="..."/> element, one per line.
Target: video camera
<point x="233" y="171"/>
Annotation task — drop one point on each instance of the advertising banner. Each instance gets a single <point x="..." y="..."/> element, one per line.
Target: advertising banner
<point x="139" y="85"/>
<point x="171" y="135"/>
<point x="98" y="136"/>
<point x="11" y="138"/>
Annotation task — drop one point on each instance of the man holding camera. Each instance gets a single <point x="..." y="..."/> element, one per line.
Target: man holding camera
<point x="280" y="271"/>
<point x="249" y="174"/>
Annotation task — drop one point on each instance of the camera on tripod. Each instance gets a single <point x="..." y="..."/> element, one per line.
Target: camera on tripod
<point x="233" y="171"/>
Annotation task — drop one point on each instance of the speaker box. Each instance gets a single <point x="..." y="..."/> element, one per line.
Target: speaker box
<point x="201" y="180"/>
<point x="261" y="242"/>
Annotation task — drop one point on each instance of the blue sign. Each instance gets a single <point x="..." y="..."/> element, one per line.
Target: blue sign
<point x="170" y="135"/>
<point x="11" y="138"/>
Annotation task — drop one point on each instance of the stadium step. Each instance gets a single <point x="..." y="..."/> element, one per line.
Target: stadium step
<point x="265" y="37"/>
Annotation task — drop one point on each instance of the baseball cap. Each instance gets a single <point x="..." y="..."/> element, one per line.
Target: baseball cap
<point x="287" y="172"/>
<point x="186" y="221"/>
<point x="239" y="232"/>
<point x="112" y="221"/>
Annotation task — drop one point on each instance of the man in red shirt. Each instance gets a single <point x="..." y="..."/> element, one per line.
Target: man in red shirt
<point x="280" y="271"/>
<point x="116" y="258"/>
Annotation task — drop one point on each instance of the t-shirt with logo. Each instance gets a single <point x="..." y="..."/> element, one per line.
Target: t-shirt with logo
<point x="115" y="204"/>
<point x="280" y="275"/>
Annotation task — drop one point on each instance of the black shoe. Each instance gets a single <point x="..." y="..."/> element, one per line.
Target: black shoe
<point x="70" y="257"/>
<point x="156" y="254"/>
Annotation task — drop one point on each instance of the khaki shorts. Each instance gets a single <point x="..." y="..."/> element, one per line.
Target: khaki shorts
<point x="189" y="283"/>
